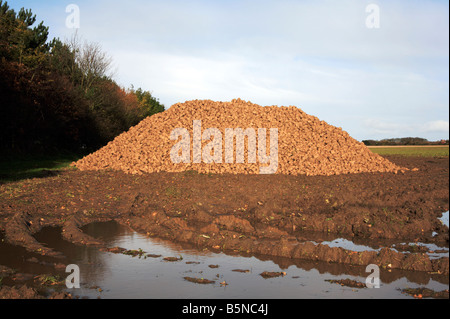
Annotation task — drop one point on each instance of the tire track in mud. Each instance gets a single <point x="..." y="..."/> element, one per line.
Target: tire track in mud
<point x="243" y="214"/>
<point x="232" y="238"/>
<point x="228" y="233"/>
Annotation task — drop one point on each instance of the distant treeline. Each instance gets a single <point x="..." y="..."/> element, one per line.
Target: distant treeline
<point x="57" y="95"/>
<point x="404" y="141"/>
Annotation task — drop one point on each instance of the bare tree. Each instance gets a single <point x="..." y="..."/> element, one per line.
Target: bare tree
<point x="91" y="60"/>
<point x="74" y="47"/>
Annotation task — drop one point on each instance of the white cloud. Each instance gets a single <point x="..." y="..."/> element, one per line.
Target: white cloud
<point x="317" y="55"/>
<point x="435" y="126"/>
<point x="393" y="129"/>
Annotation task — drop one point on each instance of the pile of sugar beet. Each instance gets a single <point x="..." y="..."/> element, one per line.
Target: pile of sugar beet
<point x="305" y="144"/>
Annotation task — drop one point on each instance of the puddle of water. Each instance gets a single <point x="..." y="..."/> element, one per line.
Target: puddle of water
<point x="430" y="247"/>
<point x="445" y="218"/>
<point x="122" y="276"/>
<point x="347" y="244"/>
<point x="350" y="245"/>
<point x="18" y="258"/>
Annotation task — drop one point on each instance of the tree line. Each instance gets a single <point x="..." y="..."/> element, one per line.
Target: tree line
<point x="59" y="95"/>
<point x="404" y="141"/>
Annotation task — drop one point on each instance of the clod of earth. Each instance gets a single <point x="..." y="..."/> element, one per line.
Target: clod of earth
<point x="241" y="270"/>
<point x="153" y="255"/>
<point x="426" y="293"/>
<point x="49" y="280"/>
<point x="199" y="280"/>
<point x="172" y="258"/>
<point x="114" y="250"/>
<point x="134" y="253"/>
<point x="22" y="292"/>
<point x="348" y="283"/>
<point x="25" y="292"/>
<point x="271" y="274"/>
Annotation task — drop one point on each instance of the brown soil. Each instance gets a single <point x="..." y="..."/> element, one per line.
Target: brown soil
<point x="19" y="292"/>
<point x="272" y="274"/>
<point x="114" y="250"/>
<point x="426" y="293"/>
<point x="199" y="280"/>
<point x="348" y="283"/>
<point x="6" y="271"/>
<point x="306" y="145"/>
<point x="272" y="215"/>
<point x="172" y="259"/>
<point x="241" y="270"/>
<point x="153" y="256"/>
<point x="25" y="292"/>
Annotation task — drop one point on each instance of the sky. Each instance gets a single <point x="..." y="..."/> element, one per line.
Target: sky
<point x="378" y="69"/>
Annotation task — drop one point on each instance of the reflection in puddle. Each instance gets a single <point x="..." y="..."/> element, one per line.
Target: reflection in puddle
<point x="123" y="276"/>
<point x="347" y="244"/>
<point x="434" y="251"/>
<point x="444" y="218"/>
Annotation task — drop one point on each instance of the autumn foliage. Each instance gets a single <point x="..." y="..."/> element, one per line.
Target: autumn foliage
<point x="50" y="100"/>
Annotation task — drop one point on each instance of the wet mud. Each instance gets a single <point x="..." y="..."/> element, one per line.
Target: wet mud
<point x="295" y="218"/>
<point x="101" y="269"/>
<point x="426" y="293"/>
<point x="348" y="283"/>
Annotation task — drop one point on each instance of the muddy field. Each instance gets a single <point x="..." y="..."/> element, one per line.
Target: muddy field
<point x="266" y="215"/>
